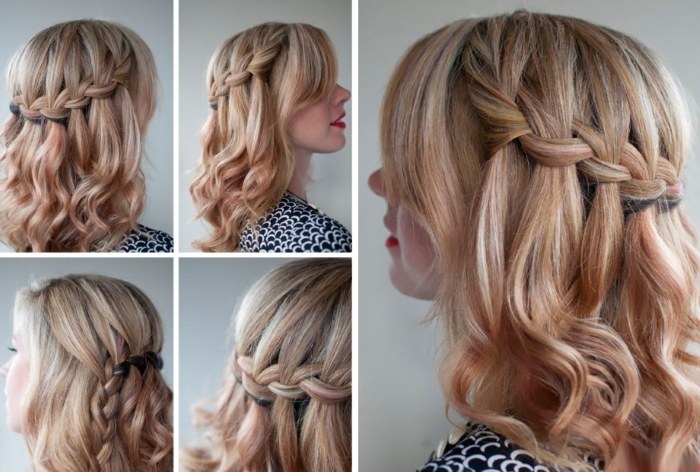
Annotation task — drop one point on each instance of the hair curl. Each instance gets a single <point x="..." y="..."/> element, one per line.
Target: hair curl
<point x="286" y="399"/>
<point x="257" y="79"/>
<point x="79" y="413"/>
<point x="83" y="94"/>
<point x="543" y="154"/>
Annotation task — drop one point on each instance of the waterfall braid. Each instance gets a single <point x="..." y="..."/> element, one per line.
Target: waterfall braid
<point x="546" y="153"/>
<point x="83" y="93"/>
<point x="286" y="400"/>
<point x="90" y="404"/>
<point x="257" y="79"/>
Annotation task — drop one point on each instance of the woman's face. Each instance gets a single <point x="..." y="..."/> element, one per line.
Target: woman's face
<point x="16" y="373"/>
<point x="413" y="268"/>
<point x="319" y="126"/>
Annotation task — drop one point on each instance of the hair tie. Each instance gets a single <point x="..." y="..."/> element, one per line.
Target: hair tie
<point x="140" y="362"/>
<point x="14" y="109"/>
<point x="214" y="105"/>
<point x="260" y="401"/>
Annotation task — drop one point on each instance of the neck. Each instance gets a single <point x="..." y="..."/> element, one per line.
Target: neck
<point x="297" y="185"/>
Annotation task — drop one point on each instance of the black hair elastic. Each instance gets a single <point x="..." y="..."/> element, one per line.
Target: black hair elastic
<point x="260" y="401"/>
<point x="140" y="362"/>
<point x="14" y="109"/>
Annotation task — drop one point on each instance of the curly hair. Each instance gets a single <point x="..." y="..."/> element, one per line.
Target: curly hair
<point x="543" y="155"/>
<point x="89" y="405"/>
<point x="83" y="94"/>
<point x="286" y="399"/>
<point x="257" y="79"/>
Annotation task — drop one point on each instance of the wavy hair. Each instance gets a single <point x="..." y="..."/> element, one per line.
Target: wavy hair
<point x="83" y="93"/>
<point x="543" y="155"/>
<point x="257" y="79"/>
<point x="286" y="399"/>
<point x="80" y="412"/>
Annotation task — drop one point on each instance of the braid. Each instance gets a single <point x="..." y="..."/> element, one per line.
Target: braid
<point x="256" y="80"/>
<point x="304" y="383"/>
<point x="544" y="154"/>
<point x="105" y="409"/>
<point x="74" y="183"/>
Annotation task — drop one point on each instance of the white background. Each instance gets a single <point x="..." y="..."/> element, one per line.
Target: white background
<point x="153" y="21"/>
<point x="202" y="30"/>
<point x="402" y="413"/>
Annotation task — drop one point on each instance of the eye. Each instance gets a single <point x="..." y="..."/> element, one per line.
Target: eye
<point x="12" y="349"/>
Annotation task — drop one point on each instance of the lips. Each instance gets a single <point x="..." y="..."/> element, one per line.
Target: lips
<point x="339" y="123"/>
<point x="391" y="241"/>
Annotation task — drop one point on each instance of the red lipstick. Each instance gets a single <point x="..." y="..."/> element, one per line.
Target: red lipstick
<point x="339" y="123"/>
<point x="392" y="242"/>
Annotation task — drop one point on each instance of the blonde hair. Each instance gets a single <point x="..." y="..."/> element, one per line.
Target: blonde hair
<point x="286" y="399"/>
<point x="257" y="79"/>
<point x="83" y="94"/>
<point x="77" y="413"/>
<point x="543" y="154"/>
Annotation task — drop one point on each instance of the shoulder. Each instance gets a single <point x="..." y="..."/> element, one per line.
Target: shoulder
<point x="296" y="226"/>
<point x="145" y="239"/>
<point x="480" y="449"/>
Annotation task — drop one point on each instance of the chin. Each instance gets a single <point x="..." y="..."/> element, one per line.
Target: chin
<point x="421" y="290"/>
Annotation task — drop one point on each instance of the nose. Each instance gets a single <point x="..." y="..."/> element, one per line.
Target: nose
<point x="342" y="94"/>
<point x="376" y="182"/>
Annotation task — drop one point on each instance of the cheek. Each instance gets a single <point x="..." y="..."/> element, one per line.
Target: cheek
<point x="417" y="273"/>
<point x="307" y="126"/>
<point x="419" y="254"/>
<point x="16" y="386"/>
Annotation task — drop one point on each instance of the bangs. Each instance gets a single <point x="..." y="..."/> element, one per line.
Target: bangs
<point x="425" y="124"/>
<point x="312" y="62"/>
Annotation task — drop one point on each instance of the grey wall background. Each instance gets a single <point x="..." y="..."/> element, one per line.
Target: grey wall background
<point x="154" y="276"/>
<point x="401" y="409"/>
<point x="206" y="24"/>
<point x="210" y="291"/>
<point x="153" y="21"/>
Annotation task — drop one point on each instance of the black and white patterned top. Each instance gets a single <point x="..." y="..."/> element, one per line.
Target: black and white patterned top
<point x="296" y="226"/>
<point x="480" y="449"/>
<point x="145" y="239"/>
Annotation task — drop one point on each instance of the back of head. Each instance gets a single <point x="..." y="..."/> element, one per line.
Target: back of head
<point x="96" y="400"/>
<point x="256" y="80"/>
<point x="546" y="152"/>
<point x="286" y="400"/>
<point x="83" y="94"/>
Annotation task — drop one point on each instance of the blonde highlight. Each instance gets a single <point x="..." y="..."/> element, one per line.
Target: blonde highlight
<point x="83" y="93"/>
<point x="286" y="399"/>
<point x="78" y="413"/>
<point x="546" y="153"/>
<point x="257" y="79"/>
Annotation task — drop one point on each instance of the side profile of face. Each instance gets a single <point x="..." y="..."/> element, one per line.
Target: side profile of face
<point x="413" y="268"/>
<point x="16" y="374"/>
<point x="319" y="126"/>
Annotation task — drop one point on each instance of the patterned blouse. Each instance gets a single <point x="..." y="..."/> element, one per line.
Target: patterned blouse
<point x="145" y="239"/>
<point x="480" y="449"/>
<point x="296" y="226"/>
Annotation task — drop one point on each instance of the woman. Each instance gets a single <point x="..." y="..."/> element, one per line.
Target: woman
<point x="286" y="399"/>
<point x="274" y="102"/>
<point x="531" y="165"/>
<point x="83" y="385"/>
<point x="71" y="179"/>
